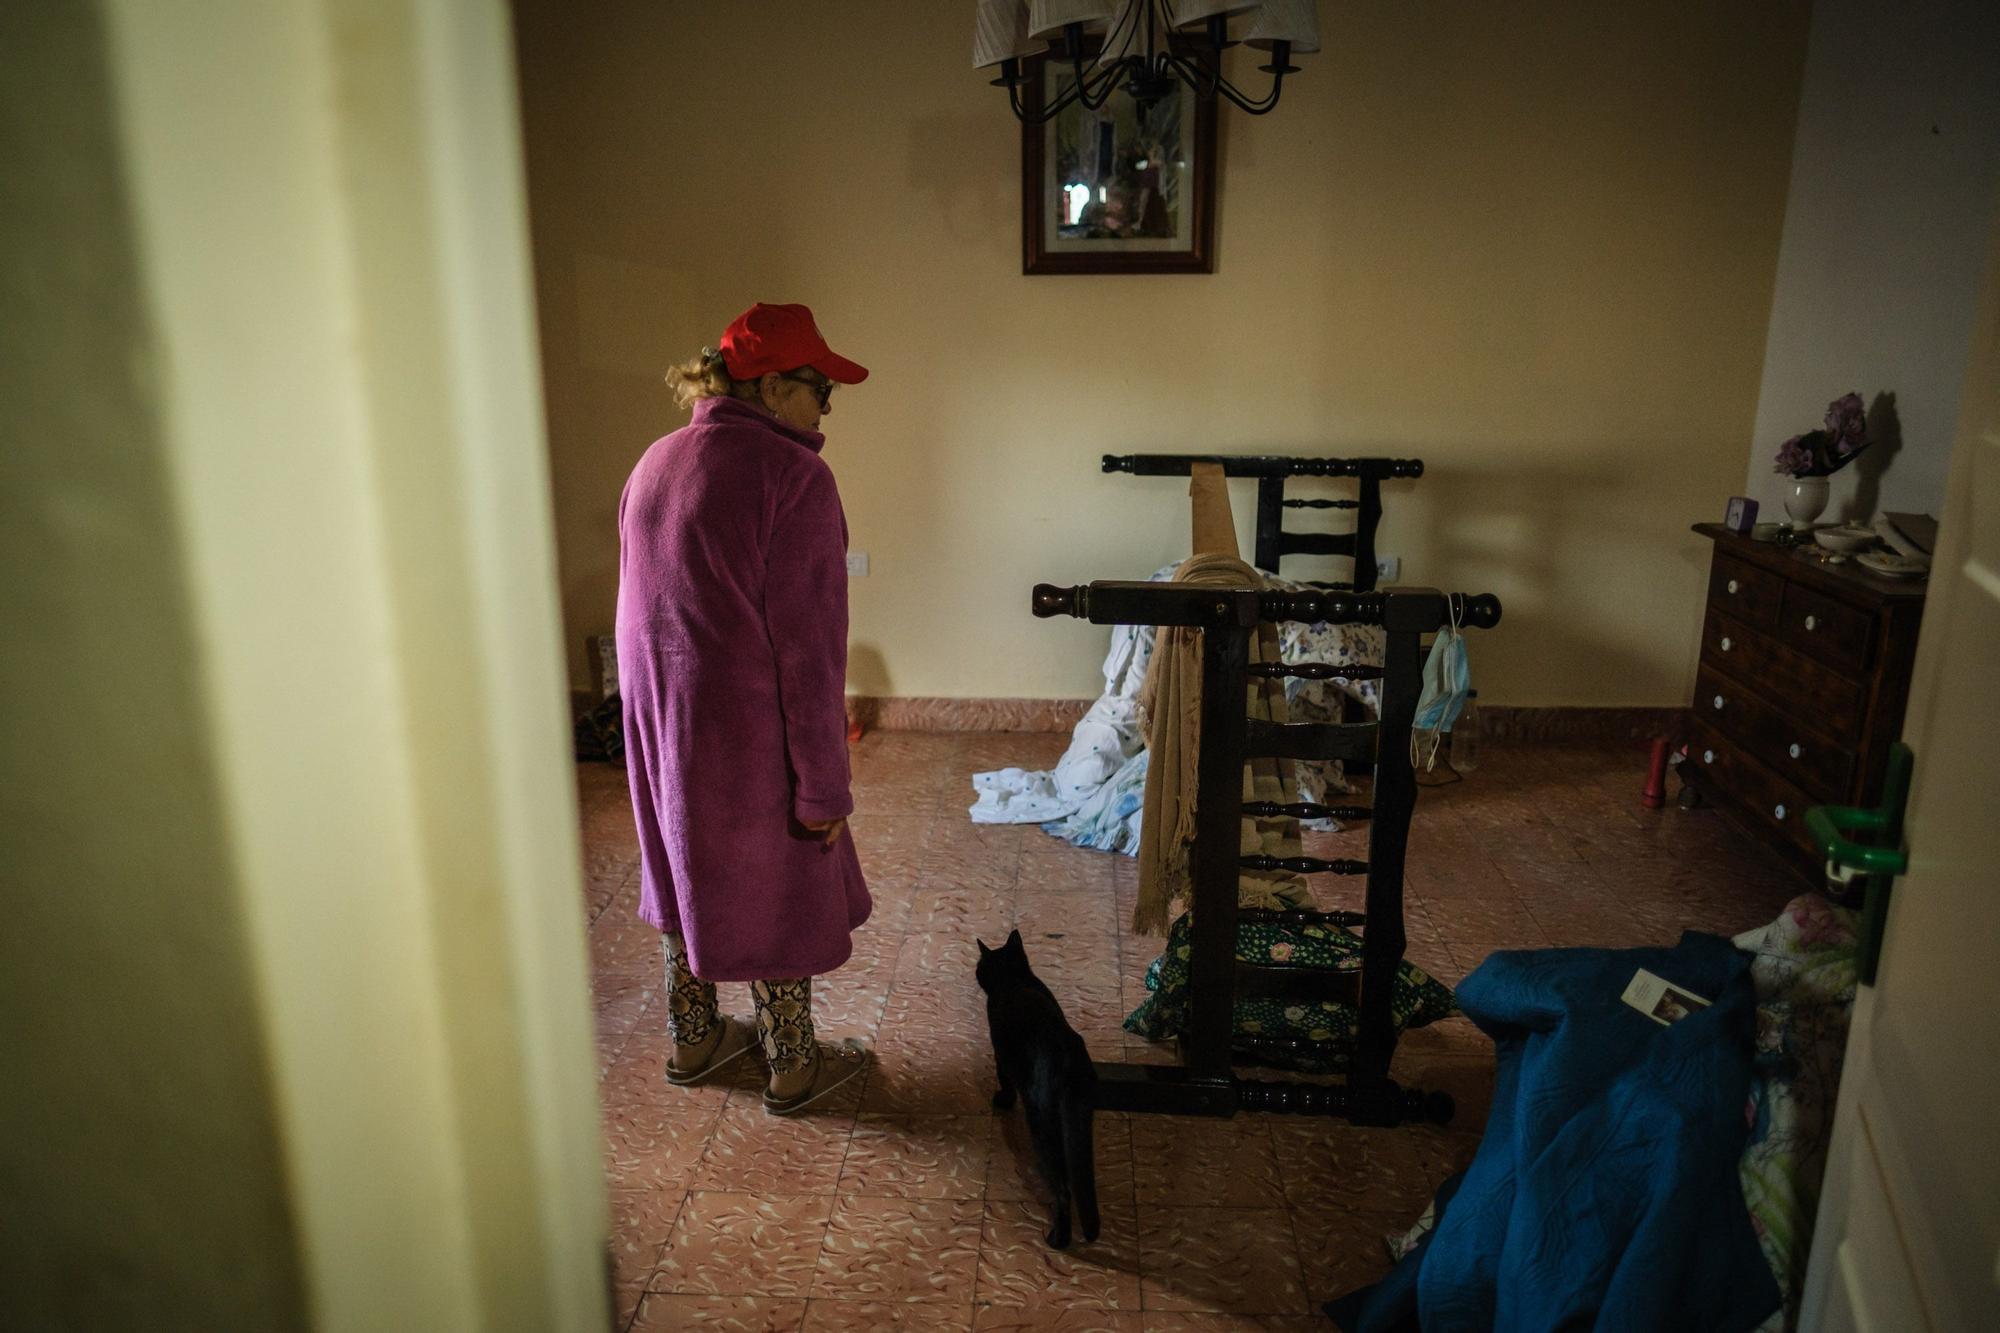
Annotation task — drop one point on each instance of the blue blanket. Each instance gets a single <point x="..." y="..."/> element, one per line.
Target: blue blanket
<point x="1605" y="1191"/>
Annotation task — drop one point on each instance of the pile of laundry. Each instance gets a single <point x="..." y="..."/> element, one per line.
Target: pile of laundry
<point x="1634" y="1173"/>
<point x="1095" y="794"/>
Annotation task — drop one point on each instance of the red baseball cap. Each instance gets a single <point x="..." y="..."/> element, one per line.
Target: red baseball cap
<point x="768" y="338"/>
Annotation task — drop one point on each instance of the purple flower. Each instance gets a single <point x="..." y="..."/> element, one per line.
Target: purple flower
<point x="1846" y="424"/>
<point x="1820" y="453"/>
<point x="1797" y="457"/>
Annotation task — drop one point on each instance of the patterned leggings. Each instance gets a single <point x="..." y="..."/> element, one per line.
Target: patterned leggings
<point x="784" y="1011"/>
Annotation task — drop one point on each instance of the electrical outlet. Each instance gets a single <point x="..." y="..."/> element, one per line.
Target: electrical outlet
<point x="857" y="564"/>
<point x="1388" y="568"/>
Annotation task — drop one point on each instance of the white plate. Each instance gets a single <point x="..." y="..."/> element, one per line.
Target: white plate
<point x="1893" y="566"/>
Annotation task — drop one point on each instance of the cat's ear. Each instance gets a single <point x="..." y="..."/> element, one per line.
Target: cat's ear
<point x="1014" y="941"/>
<point x="983" y="950"/>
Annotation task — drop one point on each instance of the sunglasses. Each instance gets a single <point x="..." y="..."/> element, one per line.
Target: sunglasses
<point x="822" y="389"/>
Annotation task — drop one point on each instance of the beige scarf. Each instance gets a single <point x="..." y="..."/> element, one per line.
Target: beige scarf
<point x="1170" y="700"/>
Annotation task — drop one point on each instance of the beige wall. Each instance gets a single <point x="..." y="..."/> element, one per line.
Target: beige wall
<point x="294" y="1010"/>
<point x="1894" y="184"/>
<point x="141" y="1182"/>
<point x="1533" y="245"/>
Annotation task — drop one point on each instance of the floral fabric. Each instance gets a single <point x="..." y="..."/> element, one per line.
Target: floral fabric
<point x="1328" y="1029"/>
<point x="1079" y="803"/>
<point x="1804" y="972"/>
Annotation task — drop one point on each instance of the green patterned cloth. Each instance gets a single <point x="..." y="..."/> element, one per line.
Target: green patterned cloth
<point x="1804" y="971"/>
<point x="1328" y="1027"/>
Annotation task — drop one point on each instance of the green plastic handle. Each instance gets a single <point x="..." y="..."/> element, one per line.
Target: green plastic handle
<point x="1879" y="862"/>
<point x="1827" y="824"/>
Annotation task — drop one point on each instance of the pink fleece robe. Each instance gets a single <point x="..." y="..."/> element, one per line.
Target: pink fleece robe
<point x="732" y="660"/>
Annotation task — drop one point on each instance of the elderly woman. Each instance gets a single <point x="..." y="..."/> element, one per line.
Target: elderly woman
<point x="732" y="658"/>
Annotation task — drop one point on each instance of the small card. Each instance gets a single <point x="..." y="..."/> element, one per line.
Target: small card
<point x="1659" y="999"/>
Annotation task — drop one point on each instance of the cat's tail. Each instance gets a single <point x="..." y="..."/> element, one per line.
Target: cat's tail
<point x="1080" y="1157"/>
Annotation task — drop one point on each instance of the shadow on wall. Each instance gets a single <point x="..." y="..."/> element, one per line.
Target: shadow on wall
<point x="1885" y="428"/>
<point x="867" y="670"/>
<point x="968" y="195"/>
<point x="1601" y="581"/>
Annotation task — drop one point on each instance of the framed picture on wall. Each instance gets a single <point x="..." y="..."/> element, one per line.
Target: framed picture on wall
<point x="1126" y="188"/>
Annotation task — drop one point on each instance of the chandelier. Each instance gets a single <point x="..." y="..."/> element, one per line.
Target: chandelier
<point x="1148" y="47"/>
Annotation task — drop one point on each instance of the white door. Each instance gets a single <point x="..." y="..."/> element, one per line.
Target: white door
<point x="1908" y="1236"/>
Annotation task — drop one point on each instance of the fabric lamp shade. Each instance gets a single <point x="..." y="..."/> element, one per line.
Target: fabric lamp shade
<point x="1000" y="32"/>
<point x="1052" y="16"/>
<point x="1188" y="12"/>
<point x="1121" y="30"/>
<point x="1294" y="21"/>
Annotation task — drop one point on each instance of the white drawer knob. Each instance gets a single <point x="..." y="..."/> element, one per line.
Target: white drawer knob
<point x="1795" y="749"/>
<point x="1809" y="624"/>
<point x="1718" y="703"/>
<point x="1780" y="811"/>
<point x="1725" y="643"/>
<point x="1732" y="585"/>
<point x="1708" y="756"/>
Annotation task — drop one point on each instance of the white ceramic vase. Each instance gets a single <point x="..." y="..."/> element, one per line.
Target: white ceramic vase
<point x="1805" y="500"/>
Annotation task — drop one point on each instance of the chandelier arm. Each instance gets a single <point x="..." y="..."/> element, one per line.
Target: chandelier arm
<point x="1067" y="98"/>
<point x="1194" y="74"/>
<point x="1201" y="79"/>
<point x="1092" y="93"/>
<point x="1270" y="101"/>
<point x="1093" y="90"/>
<point x="1097" y="89"/>
<point x="1280" y="66"/>
<point x="1055" y="106"/>
<point x="1062" y="103"/>
<point x="1094" y="97"/>
<point x="1107" y="84"/>
<point x="1204" y="79"/>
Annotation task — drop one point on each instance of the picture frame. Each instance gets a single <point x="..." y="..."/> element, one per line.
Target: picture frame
<point x="1126" y="206"/>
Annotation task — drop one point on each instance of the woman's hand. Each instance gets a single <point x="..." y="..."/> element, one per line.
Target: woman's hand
<point x="829" y="829"/>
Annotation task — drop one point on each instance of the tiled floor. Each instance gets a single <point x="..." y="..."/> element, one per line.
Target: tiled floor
<point x="910" y="1204"/>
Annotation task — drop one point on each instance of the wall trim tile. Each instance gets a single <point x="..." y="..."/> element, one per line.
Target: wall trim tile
<point x="1504" y="725"/>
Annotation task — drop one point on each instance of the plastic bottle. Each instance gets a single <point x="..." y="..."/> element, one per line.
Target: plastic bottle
<point x="1465" y="735"/>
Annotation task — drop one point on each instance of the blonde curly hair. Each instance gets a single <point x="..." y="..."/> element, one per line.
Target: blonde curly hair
<point x="705" y="375"/>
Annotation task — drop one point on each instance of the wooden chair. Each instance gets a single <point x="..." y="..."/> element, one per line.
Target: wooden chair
<point x="1273" y="541"/>
<point x="1203" y="1083"/>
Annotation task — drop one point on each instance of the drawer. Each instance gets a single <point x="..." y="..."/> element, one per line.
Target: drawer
<point x="1817" y="766"/>
<point x="1790" y="682"/>
<point x="1819" y="626"/>
<point x="1744" y="592"/>
<point x="1771" y="801"/>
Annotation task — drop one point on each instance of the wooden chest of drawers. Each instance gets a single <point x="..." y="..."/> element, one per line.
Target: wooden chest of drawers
<point x="1805" y="668"/>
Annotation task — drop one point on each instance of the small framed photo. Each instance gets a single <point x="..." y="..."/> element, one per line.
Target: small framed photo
<point x="1126" y="188"/>
<point x="1661" y="1000"/>
<point x="1741" y="516"/>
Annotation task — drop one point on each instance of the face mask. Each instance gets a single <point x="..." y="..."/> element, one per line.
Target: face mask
<point x="1447" y="682"/>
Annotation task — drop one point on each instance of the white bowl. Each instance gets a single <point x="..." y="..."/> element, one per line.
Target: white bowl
<point x="1847" y="537"/>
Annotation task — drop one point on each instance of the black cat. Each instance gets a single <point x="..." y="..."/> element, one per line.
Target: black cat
<point x="1039" y="1055"/>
